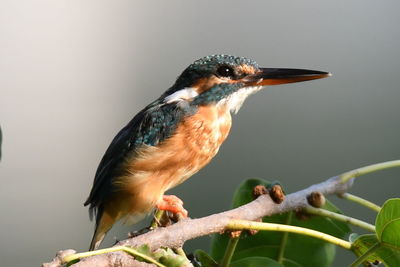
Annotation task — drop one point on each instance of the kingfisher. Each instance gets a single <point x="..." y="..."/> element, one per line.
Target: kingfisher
<point x="174" y="137"/>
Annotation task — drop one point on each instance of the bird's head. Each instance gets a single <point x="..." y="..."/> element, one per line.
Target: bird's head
<point x="228" y="80"/>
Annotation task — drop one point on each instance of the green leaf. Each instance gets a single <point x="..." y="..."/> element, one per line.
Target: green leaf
<point x="362" y="243"/>
<point x="205" y="259"/>
<point x="164" y="256"/>
<point x="388" y="223"/>
<point x="174" y="261"/>
<point x="389" y="256"/>
<point x="169" y="258"/>
<point x="144" y="249"/>
<point x="266" y="251"/>
<point x="255" y="262"/>
<point x="299" y="250"/>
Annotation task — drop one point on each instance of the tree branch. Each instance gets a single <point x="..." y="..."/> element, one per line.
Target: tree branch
<point x="176" y="235"/>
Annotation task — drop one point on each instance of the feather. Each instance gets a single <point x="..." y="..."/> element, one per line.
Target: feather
<point x="152" y="125"/>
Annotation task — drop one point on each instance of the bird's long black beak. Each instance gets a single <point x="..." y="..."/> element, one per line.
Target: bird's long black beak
<point x="272" y="76"/>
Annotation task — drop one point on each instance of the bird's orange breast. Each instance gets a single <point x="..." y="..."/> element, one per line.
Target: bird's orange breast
<point x="155" y="169"/>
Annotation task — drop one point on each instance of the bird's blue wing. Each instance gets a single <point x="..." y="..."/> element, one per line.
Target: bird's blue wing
<point x="150" y="126"/>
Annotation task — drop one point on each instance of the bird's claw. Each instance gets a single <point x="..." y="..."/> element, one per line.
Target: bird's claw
<point x="173" y="204"/>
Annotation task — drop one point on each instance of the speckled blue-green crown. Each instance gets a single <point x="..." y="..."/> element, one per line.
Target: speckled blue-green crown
<point x="214" y="60"/>
<point x="205" y="67"/>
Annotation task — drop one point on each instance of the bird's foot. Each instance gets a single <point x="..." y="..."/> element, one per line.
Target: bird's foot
<point x="173" y="204"/>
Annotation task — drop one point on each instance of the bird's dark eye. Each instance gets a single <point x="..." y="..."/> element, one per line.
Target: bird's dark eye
<point x="225" y="71"/>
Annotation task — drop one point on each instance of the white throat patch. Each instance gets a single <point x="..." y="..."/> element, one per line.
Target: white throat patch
<point x="235" y="100"/>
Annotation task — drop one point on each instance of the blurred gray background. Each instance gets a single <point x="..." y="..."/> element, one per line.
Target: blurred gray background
<point x="72" y="73"/>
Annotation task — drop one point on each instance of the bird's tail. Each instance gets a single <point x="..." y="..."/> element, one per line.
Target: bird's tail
<point x="103" y="223"/>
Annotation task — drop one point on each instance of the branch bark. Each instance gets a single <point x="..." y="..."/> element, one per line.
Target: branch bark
<point x="176" y="235"/>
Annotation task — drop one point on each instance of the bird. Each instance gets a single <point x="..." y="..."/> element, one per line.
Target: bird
<point x="174" y="137"/>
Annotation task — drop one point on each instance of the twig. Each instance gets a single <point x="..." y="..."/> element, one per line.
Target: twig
<point x="285" y="235"/>
<point x="230" y="249"/>
<point x="176" y="235"/>
<point x="340" y="217"/>
<point x="131" y="251"/>
<point x="361" y="201"/>
<point x="345" y="177"/>
<point x="242" y="225"/>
